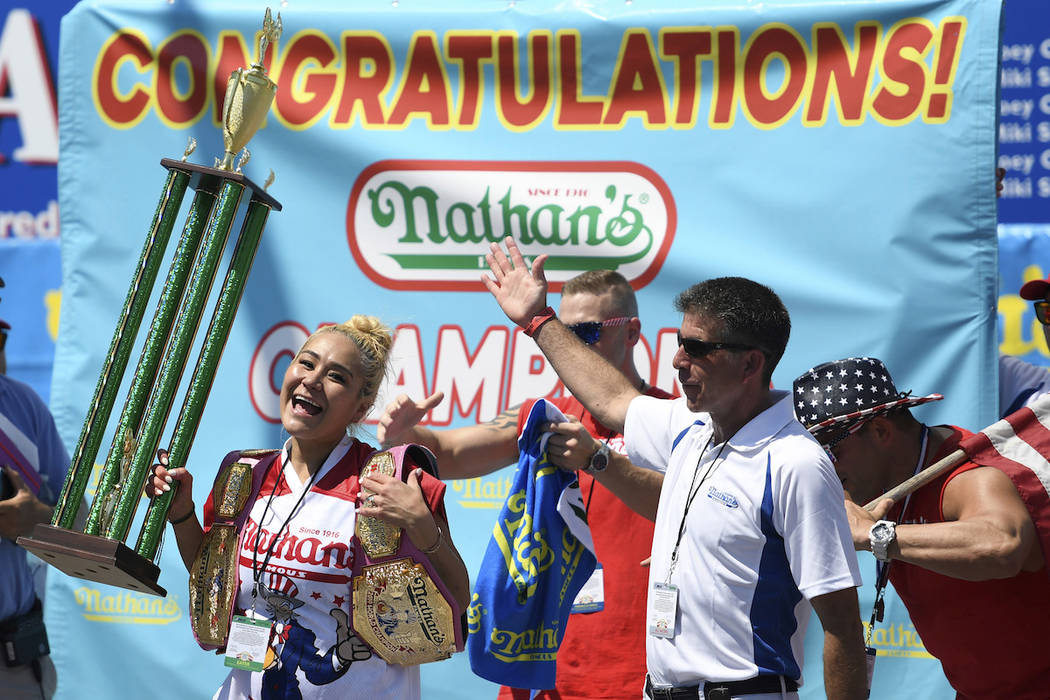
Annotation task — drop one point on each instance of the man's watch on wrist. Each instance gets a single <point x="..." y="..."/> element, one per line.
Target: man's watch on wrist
<point x="881" y="536"/>
<point x="600" y="459"/>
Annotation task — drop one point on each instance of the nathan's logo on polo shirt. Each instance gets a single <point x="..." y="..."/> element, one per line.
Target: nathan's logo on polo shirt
<point x="126" y="607"/>
<point x="726" y="499"/>
<point x="427" y="225"/>
<point x="479" y="492"/>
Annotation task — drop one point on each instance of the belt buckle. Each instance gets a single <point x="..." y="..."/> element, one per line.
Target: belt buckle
<point x="657" y="693"/>
<point x="718" y="691"/>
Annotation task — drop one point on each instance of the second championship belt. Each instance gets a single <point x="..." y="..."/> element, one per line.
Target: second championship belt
<point x="401" y="608"/>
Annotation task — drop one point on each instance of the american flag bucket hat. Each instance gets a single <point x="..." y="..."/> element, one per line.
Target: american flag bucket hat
<point x="835" y="399"/>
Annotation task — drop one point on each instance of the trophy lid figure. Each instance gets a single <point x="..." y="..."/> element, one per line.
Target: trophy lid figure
<point x="249" y="95"/>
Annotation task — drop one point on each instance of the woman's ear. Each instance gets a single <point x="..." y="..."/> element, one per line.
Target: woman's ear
<point x="360" y="414"/>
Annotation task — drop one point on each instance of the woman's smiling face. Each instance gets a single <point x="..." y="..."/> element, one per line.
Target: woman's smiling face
<point x="321" y="391"/>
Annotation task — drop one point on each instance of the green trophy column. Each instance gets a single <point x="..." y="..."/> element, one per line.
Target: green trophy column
<point x="175" y="358"/>
<point x="120" y="350"/>
<point x="146" y="371"/>
<point x="204" y="373"/>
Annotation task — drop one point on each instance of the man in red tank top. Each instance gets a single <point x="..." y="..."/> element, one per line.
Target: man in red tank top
<point x="963" y="551"/>
<point x="601" y="308"/>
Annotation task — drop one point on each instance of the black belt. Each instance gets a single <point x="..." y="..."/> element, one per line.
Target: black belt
<point x="722" y="690"/>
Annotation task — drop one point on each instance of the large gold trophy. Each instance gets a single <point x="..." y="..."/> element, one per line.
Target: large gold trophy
<point x="97" y="552"/>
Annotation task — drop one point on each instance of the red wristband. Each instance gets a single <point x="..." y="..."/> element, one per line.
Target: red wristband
<point x="538" y="320"/>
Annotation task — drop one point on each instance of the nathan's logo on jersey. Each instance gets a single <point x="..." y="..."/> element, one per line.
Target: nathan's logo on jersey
<point x="427" y="225"/>
<point x="726" y="499"/>
<point x="314" y="551"/>
<point x="126" y="607"/>
<point x="488" y="492"/>
<point x="897" y="640"/>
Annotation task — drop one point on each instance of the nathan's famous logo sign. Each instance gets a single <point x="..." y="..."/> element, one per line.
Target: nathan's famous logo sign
<point x="669" y="77"/>
<point x="428" y="224"/>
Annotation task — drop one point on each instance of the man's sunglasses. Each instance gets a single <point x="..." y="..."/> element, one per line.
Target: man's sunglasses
<point x="1042" y="312"/>
<point x="591" y="331"/>
<point x="698" y="349"/>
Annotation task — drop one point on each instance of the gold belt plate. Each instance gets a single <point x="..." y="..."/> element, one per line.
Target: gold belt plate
<point x="401" y="613"/>
<point x="212" y="583"/>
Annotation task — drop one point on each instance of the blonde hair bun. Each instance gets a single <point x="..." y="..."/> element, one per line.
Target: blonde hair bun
<point x="373" y="339"/>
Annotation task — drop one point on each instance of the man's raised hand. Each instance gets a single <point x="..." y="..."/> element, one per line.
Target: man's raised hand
<point x="521" y="293"/>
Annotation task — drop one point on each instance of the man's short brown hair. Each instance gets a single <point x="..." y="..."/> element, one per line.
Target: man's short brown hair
<point x="600" y="282"/>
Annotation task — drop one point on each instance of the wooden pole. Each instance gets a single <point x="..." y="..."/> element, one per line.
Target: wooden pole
<point x="921" y="479"/>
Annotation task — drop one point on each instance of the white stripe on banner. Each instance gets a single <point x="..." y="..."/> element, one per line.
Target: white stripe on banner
<point x="1041" y="467"/>
<point x="1010" y="445"/>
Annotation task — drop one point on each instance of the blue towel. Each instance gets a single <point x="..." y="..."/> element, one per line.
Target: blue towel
<point x="539" y="557"/>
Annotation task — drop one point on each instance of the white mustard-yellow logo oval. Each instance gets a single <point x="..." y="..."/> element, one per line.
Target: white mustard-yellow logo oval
<point x="427" y="225"/>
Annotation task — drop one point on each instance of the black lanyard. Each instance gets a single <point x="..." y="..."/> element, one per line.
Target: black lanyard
<point x="694" y="488"/>
<point x="882" y="569"/>
<point x="256" y="569"/>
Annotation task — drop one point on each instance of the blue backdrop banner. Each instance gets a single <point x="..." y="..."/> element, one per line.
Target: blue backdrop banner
<point x="842" y="153"/>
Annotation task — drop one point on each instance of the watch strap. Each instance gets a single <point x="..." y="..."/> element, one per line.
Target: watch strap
<point x="880" y="546"/>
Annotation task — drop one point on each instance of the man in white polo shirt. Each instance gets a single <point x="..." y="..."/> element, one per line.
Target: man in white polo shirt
<point x="749" y="527"/>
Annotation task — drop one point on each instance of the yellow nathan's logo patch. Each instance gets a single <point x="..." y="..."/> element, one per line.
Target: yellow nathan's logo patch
<point x="482" y="492"/>
<point x="126" y="607"/>
<point x="900" y="640"/>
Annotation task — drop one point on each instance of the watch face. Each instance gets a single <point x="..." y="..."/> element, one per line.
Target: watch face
<point x="599" y="461"/>
<point x="881" y="531"/>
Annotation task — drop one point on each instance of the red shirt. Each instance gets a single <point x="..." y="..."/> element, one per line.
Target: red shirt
<point x="603" y="653"/>
<point x="991" y="637"/>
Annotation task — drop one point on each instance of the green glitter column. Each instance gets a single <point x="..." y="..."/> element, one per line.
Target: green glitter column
<point x="174" y="362"/>
<point x="204" y="373"/>
<point x="120" y="350"/>
<point x="146" y="371"/>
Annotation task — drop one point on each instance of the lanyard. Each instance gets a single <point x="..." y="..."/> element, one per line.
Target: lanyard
<point x="694" y="488"/>
<point x="882" y="569"/>
<point x="256" y="569"/>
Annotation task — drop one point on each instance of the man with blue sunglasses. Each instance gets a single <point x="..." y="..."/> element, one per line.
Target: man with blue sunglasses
<point x="600" y="308"/>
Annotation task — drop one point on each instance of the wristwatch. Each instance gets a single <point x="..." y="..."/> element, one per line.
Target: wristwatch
<point x="600" y="458"/>
<point x="882" y="535"/>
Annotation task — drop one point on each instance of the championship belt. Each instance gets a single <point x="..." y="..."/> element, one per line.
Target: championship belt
<point x="401" y="608"/>
<point x="214" y="578"/>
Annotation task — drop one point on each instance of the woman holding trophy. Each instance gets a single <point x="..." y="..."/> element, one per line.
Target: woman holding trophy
<point x="325" y="569"/>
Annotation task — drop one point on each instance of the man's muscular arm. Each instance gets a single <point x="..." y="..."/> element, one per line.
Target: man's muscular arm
<point x="988" y="534"/>
<point x="462" y="453"/>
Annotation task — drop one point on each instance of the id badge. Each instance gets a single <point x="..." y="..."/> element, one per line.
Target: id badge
<point x="249" y="639"/>
<point x="663" y="608"/>
<point x="591" y="597"/>
<point x="869" y="653"/>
